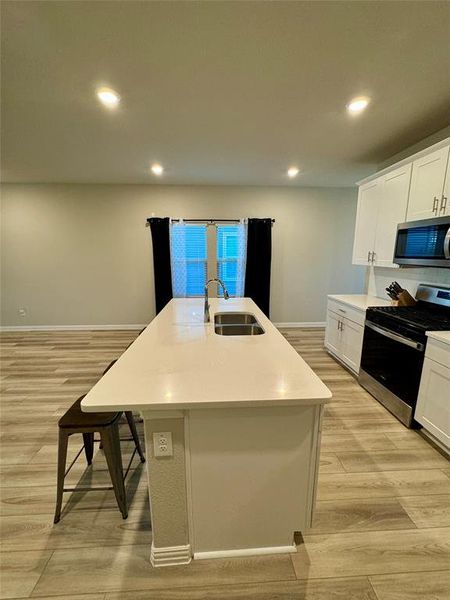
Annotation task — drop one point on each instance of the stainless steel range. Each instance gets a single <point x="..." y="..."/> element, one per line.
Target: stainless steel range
<point x="394" y="347"/>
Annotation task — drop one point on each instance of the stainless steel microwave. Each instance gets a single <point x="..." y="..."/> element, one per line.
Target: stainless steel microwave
<point x="423" y="243"/>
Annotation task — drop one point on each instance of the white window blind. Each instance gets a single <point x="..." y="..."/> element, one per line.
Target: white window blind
<point x="189" y="259"/>
<point x="231" y="253"/>
<point x="191" y="262"/>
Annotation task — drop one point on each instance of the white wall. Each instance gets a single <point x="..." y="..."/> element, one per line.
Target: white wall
<point x="81" y="254"/>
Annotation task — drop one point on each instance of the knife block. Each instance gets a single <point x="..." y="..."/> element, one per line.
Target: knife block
<point x="405" y="299"/>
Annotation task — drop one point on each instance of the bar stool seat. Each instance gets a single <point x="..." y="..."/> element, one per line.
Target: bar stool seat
<point x="107" y="425"/>
<point x="75" y="417"/>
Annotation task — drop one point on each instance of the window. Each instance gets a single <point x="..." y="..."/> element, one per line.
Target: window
<point x="188" y="245"/>
<point x="231" y="242"/>
<point x="193" y="265"/>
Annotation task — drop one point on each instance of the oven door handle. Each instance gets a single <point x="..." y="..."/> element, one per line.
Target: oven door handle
<point x="398" y="338"/>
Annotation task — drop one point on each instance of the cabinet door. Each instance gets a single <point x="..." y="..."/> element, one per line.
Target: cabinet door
<point x="433" y="403"/>
<point x="366" y="221"/>
<point x="427" y="185"/>
<point x="444" y="206"/>
<point x="392" y="207"/>
<point x="352" y="340"/>
<point x="333" y="333"/>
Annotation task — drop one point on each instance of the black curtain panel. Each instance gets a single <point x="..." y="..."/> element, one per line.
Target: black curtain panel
<point x="161" y="261"/>
<point x="259" y="258"/>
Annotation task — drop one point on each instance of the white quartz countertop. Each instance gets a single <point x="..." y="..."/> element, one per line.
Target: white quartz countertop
<point x="441" y="336"/>
<point x="360" y="301"/>
<point x="180" y="362"/>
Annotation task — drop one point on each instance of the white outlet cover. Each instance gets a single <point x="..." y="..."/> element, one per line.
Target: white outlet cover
<point x="162" y="444"/>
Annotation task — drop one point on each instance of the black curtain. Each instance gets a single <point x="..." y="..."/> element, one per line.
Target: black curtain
<point x="259" y="258"/>
<point x="161" y="261"/>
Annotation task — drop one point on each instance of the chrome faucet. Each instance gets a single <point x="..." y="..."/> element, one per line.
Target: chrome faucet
<point x="226" y="295"/>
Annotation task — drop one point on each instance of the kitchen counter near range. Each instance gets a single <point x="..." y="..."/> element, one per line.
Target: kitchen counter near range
<point x="440" y="336"/>
<point x="360" y="301"/>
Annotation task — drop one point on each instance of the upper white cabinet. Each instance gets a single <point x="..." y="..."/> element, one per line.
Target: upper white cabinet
<point x="391" y="211"/>
<point x="366" y="220"/>
<point x="382" y="204"/>
<point x="427" y="198"/>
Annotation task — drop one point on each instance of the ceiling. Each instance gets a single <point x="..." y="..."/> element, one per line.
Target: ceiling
<point x="218" y="92"/>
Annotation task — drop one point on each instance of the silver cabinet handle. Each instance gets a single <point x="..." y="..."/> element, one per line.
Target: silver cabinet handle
<point x="435" y="204"/>
<point x="368" y="255"/>
<point x="342" y="310"/>
<point x="373" y="257"/>
<point x="443" y="203"/>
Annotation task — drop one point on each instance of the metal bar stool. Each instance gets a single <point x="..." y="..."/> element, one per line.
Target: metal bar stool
<point x="107" y="424"/>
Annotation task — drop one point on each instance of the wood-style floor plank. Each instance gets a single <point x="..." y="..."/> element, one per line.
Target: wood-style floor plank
<point x="333" y="486"/>
<point x="392" y="460"/>
<point x="412" y="586"/>
<point x="20" y="571"/>
<point x="428" y="511"/>
<point x="379" y="514"/>
<point x="373" y="552"/>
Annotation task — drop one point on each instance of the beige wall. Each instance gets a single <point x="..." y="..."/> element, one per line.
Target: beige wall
<point x="81" y="254"/>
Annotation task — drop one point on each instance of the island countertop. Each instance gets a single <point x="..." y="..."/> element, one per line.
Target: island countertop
<point x="179" y="362"/>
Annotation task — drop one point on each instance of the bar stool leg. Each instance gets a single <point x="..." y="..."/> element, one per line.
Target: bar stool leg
<point x="63" y="439"/>
<point x="134" y="433"/>
<point x="111" y="446"/>
<point x="88" y="439"/>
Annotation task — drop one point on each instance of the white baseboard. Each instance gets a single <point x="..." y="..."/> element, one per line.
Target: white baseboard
<point x="11" y="328"/>
<point x="245" y="552"/>
<point x="303" y="324"/>
<point x="173" y="555"/>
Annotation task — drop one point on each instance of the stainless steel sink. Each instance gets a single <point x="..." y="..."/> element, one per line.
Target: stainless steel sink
<point x="234" y="318"/>
<point x="233" y="329"/>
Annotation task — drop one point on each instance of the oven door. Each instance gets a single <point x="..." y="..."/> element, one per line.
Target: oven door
<point x="394" y="361"/>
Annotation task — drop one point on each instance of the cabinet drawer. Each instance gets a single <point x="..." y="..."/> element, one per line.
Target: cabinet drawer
<point x="438" y="352"/>
<point x="357" y="316"/>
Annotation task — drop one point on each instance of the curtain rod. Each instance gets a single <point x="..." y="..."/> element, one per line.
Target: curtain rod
<point x="210" y="221"/>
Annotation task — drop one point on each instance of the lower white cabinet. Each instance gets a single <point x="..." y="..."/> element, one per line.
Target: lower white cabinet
<point x="433" y="403"/>
<point x="344" y="338"/>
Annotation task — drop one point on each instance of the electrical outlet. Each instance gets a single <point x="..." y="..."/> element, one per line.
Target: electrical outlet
<point x="162" y="444"/>
<point x="22" y="312"/>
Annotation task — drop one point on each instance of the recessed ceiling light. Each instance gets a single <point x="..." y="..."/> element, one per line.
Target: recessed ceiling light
<point x="108" y="97"/>
<point x="157" y="169"/>
<point x="357" y="105"/>
<point x="292" y="172"/>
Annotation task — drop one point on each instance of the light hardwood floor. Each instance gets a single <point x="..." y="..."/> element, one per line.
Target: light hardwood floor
<point x="382" y="521"/>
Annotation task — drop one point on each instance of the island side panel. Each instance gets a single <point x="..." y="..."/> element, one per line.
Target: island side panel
<point x="251" y="477"/>
<point x="167" y="490"/>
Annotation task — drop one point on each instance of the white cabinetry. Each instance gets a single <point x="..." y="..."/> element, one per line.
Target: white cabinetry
<point x="382" y="206"/>
<point x="427" y="197"/>
<point x="433" y="403"/>
<point x="414" y="189"/>
<point x="344" y="334"/>
<point x="366" y="222"/>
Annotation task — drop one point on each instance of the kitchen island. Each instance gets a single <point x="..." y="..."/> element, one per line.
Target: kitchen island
<point x="243" y="416"/>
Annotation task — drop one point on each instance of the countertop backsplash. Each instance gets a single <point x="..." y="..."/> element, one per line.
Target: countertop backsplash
<point x="380" y="277"/>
